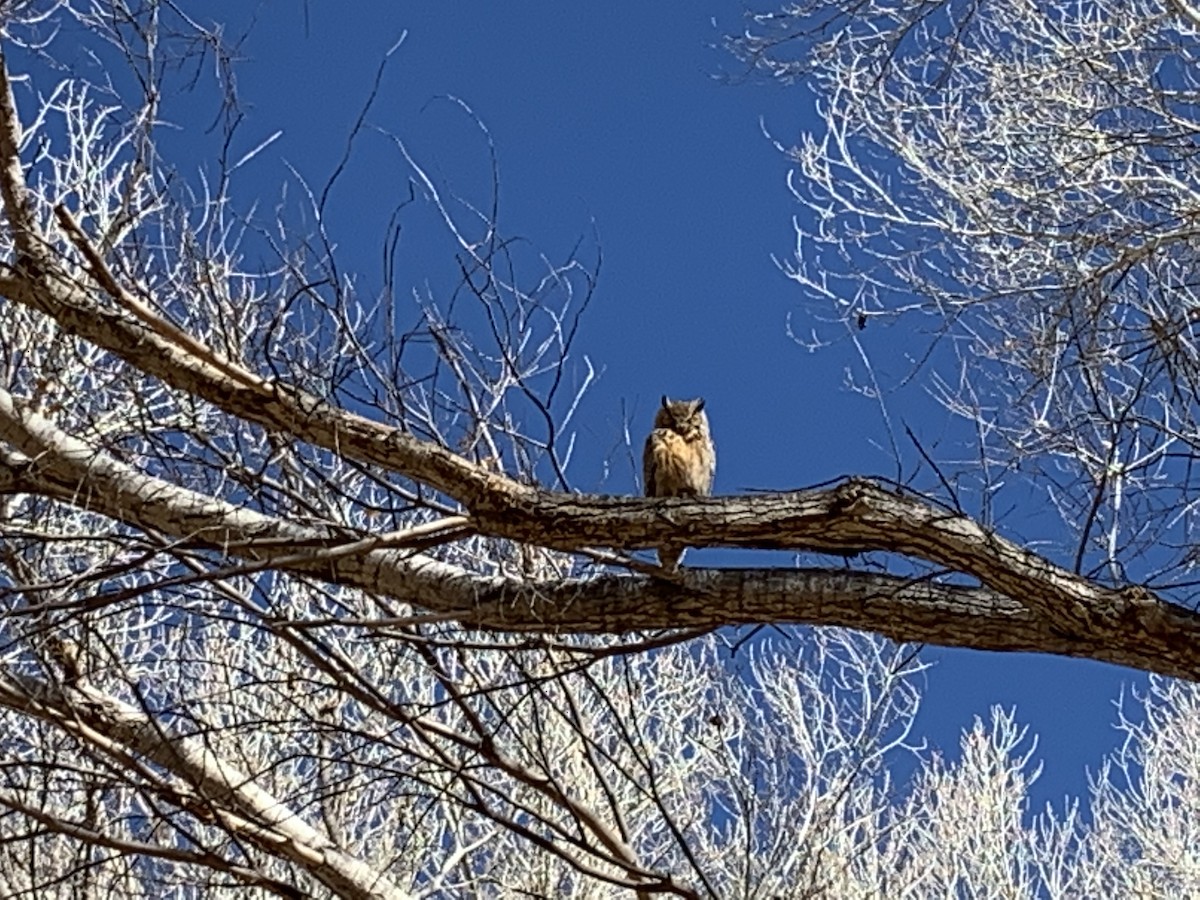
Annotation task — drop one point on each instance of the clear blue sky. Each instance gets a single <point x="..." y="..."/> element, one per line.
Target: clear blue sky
<point x="610" y="117"/>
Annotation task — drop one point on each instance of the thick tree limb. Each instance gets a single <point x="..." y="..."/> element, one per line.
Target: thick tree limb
<point x="1129" y="627"/>
<point x="856" y="516"/>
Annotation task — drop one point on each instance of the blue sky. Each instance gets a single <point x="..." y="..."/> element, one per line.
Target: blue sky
<point x="610" y="120"/>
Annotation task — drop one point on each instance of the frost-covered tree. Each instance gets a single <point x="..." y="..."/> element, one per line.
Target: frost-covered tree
<point x="1019" y="182"/>
<point x="296" y="599"/>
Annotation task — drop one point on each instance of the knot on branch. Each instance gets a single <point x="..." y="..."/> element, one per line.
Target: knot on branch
<point x="854" y="490"/>
<point x="1138" y="595"/>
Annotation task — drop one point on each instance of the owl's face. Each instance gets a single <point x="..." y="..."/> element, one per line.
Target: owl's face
<point x="685" y="417"/>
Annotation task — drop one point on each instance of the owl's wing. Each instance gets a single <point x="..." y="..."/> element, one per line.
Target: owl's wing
<point x="649" y="488"/>
<point x="712" y="465"/>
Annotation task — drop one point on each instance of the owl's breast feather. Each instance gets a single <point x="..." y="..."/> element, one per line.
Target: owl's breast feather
<point x="675" y="467"/>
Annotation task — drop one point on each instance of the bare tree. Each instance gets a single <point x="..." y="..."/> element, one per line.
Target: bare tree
<point x="297" y="599"/>
<point x="1023" y="180"/>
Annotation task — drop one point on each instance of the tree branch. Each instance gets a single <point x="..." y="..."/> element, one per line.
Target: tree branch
<point x="215" y="786"/>
<point x="1129" y="627"/>
<point x="853" y="517"/>
<point x="95" y="838"/>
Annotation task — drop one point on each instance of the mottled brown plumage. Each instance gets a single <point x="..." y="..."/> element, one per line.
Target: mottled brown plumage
<point x="679" y="460"/>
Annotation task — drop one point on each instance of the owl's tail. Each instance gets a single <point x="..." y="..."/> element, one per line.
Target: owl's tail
<point x="669" y="556"/>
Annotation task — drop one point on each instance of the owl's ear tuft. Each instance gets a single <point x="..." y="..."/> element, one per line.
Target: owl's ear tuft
<point x="665" y="401"/>
<point x="698" y="405"/>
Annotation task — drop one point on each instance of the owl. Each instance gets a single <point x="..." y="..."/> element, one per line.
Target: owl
<point x="679" y="460"/>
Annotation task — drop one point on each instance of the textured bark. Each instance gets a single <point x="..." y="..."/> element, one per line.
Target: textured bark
<point x="855" y="516"/>
<point x="1045" y="609"/>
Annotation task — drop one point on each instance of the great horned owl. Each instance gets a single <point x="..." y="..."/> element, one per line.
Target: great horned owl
<point x="679" y="460"/>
